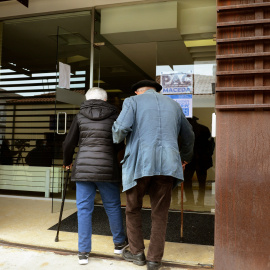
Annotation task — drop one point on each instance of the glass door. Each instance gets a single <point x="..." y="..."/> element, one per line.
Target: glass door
<point x="36" y="110"/>
<point x="27" y="101"/>
<point x="73" y="69"/>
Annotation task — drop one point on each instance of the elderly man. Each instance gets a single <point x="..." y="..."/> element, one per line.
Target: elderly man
<point x="95" y="168"/>
<point x="151" y="124"/>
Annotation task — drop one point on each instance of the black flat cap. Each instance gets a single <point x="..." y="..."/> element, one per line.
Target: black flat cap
<point x="144" y="83"/>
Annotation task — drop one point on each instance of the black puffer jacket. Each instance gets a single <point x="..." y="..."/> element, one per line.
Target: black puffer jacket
<point x="91" y="128"/>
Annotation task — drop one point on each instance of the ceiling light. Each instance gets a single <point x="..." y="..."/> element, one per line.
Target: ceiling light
<point x="200" y="43"/>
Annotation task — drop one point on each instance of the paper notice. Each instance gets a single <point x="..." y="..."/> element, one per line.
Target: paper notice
<point x="64" y="76"/>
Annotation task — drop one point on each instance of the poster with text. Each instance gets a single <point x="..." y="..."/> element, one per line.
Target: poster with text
<point x="185" y="102"/>
<point x="177" y="83"/>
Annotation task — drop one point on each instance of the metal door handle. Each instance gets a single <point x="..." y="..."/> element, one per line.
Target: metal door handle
<point x="57" y="123"/>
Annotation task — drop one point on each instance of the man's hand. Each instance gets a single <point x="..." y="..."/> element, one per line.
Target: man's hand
<point x="68" y="167"/>
<point x="184" y="163"/>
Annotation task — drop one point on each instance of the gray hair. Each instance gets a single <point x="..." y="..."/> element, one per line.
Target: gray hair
<point x="96" y="93"/>
<point x="145" y="88"/>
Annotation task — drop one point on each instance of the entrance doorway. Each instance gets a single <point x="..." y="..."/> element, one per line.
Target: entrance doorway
<point x="37" y="111"/>
<point x="146" y="48"/>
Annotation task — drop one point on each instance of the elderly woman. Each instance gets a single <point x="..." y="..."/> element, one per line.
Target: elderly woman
<point x="95" y="167"/>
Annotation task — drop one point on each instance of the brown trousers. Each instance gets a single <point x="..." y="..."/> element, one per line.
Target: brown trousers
<point x="159" y="189"/>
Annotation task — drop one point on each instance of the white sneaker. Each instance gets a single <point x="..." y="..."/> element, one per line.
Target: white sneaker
<point x="83" y="257"/>
<point x="118" y="248"/>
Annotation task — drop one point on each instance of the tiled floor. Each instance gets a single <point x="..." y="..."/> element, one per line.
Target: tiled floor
<point x="26" y="221"/>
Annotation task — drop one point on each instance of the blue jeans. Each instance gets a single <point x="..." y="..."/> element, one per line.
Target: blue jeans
<point x="85" y="196"/>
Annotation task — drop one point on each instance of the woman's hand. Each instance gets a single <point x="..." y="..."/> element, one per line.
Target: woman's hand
<point x="68" y="167"/>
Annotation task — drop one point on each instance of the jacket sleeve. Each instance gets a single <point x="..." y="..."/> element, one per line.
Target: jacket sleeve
<point x="186" y="139"/>
<point x="123" y="124"/>
<point x="71" y="142"/>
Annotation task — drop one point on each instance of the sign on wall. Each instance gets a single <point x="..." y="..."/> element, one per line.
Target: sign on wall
<point x="176" y="83"/>
<point x="185" y="101"/>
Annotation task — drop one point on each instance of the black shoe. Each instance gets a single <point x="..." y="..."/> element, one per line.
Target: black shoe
<point x="153" y="265"/>
<point x="138" y="259"/>
<point x="83" y="257"/>
<point x="118" y="248"/>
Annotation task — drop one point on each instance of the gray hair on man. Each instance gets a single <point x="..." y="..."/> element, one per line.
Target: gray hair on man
<point x="96" y="93"/>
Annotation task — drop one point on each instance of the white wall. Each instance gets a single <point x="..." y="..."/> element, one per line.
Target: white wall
<point x="139" y="18"/>
<point x="197" y="20"/>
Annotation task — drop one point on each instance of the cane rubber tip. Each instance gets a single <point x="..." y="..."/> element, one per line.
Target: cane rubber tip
<point x="56" y="239"/>
<point x="182" y="240"/>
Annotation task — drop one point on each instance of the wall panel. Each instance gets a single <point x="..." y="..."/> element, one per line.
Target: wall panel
<point x="242" y="235"/>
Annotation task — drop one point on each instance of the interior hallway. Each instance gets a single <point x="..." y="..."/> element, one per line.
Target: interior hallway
<point x="26" y="221"/>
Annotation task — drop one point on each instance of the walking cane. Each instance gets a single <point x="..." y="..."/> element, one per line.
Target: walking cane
<point x="182" y="213"/>
<point x="62" y="205"/>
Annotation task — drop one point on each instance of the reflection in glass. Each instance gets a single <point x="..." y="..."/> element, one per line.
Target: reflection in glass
<point x="200" y="163"/>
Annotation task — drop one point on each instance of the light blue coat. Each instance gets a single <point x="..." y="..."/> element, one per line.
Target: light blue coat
<point x="151" y="123"/>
